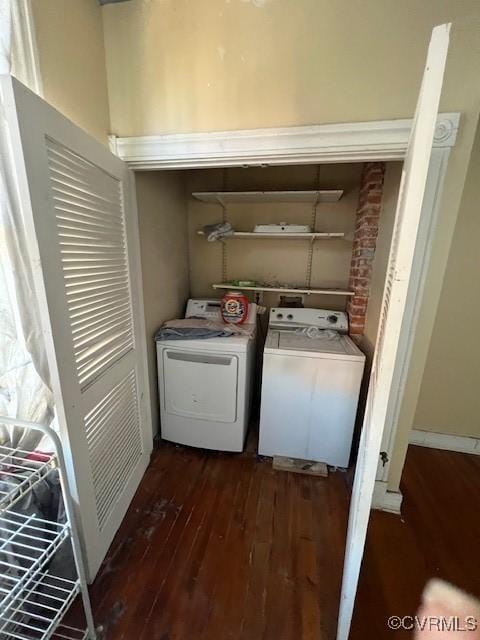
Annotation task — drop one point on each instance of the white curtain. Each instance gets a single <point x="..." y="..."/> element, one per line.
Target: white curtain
<point x="24" y="377"/>
<point x="5" y="36"/>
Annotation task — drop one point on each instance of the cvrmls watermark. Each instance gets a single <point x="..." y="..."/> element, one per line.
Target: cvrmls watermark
<point x="433" y="623"/>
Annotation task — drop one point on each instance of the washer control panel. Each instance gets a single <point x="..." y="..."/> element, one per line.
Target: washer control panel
<point x="289" y="318"/>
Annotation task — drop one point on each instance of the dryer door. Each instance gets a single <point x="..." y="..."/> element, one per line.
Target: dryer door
<point x="200" y="385"/>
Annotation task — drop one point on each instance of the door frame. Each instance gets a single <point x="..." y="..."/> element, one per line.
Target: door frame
<point x="383" y="140"/>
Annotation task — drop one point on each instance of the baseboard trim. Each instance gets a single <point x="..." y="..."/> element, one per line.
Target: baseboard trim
<point x="385" y="500"/>
<point x="461" y="444"/>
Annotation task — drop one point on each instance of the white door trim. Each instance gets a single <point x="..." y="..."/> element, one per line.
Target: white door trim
<point x="385" y="500"/>
<point x="430" y="209"/>
<point x="445" y="441"/>
<point x="348" y="142"/>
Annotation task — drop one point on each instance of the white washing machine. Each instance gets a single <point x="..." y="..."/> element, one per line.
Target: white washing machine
<point x="310" y="386"/>
<point x="205" y="385"/>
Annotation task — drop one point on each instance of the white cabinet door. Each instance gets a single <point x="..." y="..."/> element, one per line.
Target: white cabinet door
<point x="78" y="206"/>
<point x="407" y="221"/>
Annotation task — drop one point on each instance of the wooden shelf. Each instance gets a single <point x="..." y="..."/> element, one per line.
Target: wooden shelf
<point x="281" y="236"/>
<point x="225" y="197"/>
<point x="299" y="290"/>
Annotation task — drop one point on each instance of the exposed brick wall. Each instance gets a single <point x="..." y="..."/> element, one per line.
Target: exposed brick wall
<point x="364" y="243"/>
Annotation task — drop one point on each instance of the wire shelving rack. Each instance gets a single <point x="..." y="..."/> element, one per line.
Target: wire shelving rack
<point x="34" y="601"/>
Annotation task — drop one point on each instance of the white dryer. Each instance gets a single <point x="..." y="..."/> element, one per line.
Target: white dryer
<point x="205" y="385"/>
<point x="312" y="374"/>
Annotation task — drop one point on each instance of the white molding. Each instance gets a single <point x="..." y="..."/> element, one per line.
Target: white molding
<point x="26" y="63"/>
<point x="385" y="500"/>
<point x="423" y="249"/>
<point x="447" y="442"/>
<point x="112" y="144"/>
<point x="350" y="142"/>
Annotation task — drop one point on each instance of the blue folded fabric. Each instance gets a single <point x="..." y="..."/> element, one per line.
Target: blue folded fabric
<point x="190" y="333"/>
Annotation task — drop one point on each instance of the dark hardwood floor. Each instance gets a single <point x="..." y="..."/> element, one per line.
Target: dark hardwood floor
<point x="220" y="547"/>
<point x="438" y="535"/>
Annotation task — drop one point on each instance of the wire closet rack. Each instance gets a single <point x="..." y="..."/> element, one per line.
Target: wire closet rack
<point x="34" y="602"/>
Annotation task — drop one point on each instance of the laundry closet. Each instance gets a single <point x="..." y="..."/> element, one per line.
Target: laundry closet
<point x="313" y="271"/>
<point x="190" y="541"/>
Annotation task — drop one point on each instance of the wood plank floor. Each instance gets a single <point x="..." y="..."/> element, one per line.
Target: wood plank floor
<point x="438" y="535"/>
<point x="220" y="547"/>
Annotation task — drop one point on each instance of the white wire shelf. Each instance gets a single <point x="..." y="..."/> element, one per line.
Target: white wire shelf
<point x="64" y="632"/>
<point x="312" y="196"/>
<point x="295" y="290"/>
<point x="33" y="602"/>
<point x="20" y="471"/>
<point x="35" y="614"/>
<point x="27" y="544"/>
<point x="317" y="235"/>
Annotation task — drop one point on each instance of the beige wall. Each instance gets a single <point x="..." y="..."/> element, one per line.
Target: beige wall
<point x="270" y="260"/>
<point x="162" y="217"/>
<point x="449" y="400"/>
<point x="72" y="61"/>
<point x="200" y="65"/>
<point x="393" y="174"/>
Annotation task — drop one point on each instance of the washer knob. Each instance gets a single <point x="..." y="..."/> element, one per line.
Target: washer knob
<point x="332" y="319"/>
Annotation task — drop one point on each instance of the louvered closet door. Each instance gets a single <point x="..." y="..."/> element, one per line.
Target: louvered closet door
<point x="80" y="213"/>
<point x="401" y="256"/>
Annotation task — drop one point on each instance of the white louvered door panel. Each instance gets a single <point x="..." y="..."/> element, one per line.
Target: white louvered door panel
<point x="79" y="209"/>
<point x="91" y="233"/>
<point x="402" y="251"/>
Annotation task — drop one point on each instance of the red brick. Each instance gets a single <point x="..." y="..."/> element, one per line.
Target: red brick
<point x="371" y="193"/>
<point x="369" y="222"/>
<point x="358" y="309"/>
<point x="372" y="189"/>
<point x="364" y="243"/>
<point x="367" y="232"/>
<point x="358" y="300"/>
<point x="365" y="272"/>
<point x="362" y="273"/>
<point x="356" y="319"/>
<point x="363" y="262"/>
<point x="359" y="290"/>
<point x="357" y="330"/>
<point x="360" y="253"/>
